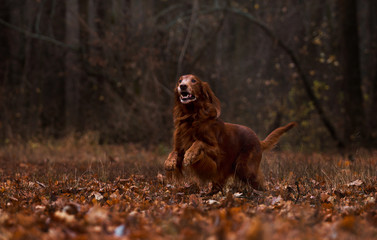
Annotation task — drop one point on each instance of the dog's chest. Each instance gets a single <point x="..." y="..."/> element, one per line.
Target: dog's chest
<point x="187" y="134"/>
<point x="186" y="138"/>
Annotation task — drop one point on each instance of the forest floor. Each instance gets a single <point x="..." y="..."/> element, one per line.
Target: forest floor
<point x="77" y="189"/>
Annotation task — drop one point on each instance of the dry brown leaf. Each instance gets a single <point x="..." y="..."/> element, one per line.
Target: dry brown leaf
<point x="255" y="231"/>
<point x="357" y="183"/>
<point x="348" y="223"/>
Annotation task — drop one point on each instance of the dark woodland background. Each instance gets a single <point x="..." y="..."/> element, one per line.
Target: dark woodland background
<point x="109" y="67"/>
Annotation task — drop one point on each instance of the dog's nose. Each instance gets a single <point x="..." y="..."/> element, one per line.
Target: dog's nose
<point x="183" y="87"/>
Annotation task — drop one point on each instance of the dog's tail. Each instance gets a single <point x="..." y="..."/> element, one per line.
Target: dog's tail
<point x="273" y="138"/>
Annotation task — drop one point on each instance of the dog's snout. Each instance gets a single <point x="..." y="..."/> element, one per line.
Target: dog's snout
<point x="183" y="87"/>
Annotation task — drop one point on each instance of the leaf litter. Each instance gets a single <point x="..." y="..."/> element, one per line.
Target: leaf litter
<point x="77" y="199"/>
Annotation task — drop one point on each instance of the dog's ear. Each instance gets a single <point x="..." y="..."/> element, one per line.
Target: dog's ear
<point x="211" y="98"/>
<point x="176" y="96"/>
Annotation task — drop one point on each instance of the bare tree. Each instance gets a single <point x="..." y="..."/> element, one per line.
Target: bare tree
<point x="350" y="64"/>
<point x="72" y="65"/>
<point x="373" y="67"/>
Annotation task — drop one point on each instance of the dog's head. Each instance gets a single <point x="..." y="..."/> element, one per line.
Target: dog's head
<point x="190" y="90"/>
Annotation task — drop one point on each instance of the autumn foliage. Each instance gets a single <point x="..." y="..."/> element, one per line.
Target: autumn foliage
<point x="77" y="189"/>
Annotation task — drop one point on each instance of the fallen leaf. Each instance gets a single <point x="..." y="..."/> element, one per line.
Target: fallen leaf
<point x="347" y="223"/>
<point x="119" y="231"/>
<point x="211" y="202"/>
<point x="98" y="196"/>
<point x="160" y="178"/>
<point x="195" y="201"/>
<point x="276" y="200"/>
<point x="64" y="216"/>
<point x="96" y="215"/>
<point x="357" y="183"/>
<point x="255" y="231"/>
<point x="237" y="194"/>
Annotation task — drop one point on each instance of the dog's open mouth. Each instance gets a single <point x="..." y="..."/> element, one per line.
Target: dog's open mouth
<point x="186" y="97"/>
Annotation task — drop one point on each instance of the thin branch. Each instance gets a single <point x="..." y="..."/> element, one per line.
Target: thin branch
<point x="167" y="11"/>
<point x="188" y="36"/>
<point x="38" y="36"/>
<point x="183" y="18"/>
<point x="208" y="42"/>
<point x="38" y="20"/>
<point x="168" y="91"/>
<point x="298" y="191"/>
<point x="52" y="14"/>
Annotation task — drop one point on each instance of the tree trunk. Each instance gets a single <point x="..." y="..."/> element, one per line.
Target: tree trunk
<point x="350" y="64"/>
<point x="72" y="65"/>
<point x="373" y="69"/>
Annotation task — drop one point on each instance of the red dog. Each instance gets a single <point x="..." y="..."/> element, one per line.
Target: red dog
<point x="215" y="150"/>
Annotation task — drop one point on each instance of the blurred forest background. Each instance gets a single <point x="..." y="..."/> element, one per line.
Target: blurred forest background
<point x="110" y="67"/>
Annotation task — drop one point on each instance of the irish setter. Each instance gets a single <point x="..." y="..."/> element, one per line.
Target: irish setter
<point x="213" y="149"/>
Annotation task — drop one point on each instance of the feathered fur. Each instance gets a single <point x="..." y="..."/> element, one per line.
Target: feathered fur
<point x="272" y="139"/>
<point x="213" y="149"/>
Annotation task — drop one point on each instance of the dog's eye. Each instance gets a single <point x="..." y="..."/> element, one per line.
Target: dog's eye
<point x="193" y="80"/>
<point x="179" y="81"/>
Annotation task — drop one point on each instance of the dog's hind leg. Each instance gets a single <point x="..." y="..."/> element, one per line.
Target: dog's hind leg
<point x="204" y="167"/>
<point x="247" y="170"/>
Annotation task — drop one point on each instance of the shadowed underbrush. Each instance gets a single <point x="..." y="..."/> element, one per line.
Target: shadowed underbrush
<point x="333" y="169"/>
<point x="73" y="158"/>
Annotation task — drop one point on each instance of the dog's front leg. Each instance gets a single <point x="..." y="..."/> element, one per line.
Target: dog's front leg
<point x="171" y="162"/>
<point x="192" y="154"/>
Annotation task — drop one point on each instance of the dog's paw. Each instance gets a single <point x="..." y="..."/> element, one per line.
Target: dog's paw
<point x="171" y="162"/>
<point x="190" y="158"/>
<point x="170" y="165"/>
